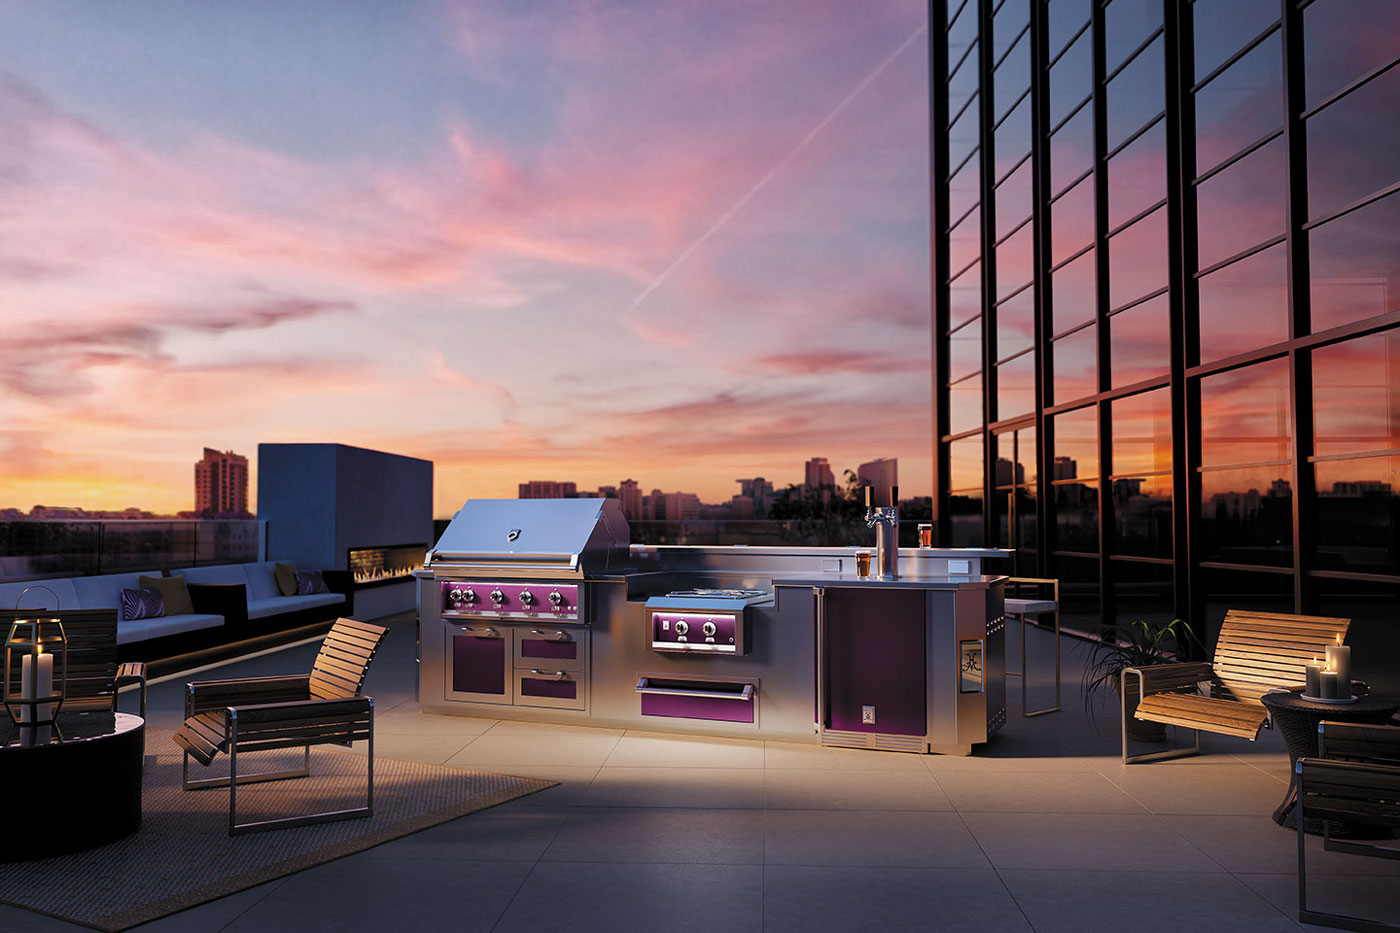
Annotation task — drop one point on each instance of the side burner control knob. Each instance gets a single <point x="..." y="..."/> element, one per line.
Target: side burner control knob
<point x="527" y="598"/>
<point x="497" y="596"/>
<point x="682" y="626"/>
<point x="709" y="629"/>
<point x="555" y="598"/>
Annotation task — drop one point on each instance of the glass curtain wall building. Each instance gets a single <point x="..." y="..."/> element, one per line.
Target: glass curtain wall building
<point x="1167" y="300"/>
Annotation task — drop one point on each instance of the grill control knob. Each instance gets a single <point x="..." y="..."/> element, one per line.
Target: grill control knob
<point x="555" y="598"/>
<point x="527" y="598"/>
<point x="454" y="595"/>
<point x="497" y="596"/>
<point x="682" y="626"/>
<point x="709" y="629"/>
<point x="468" y="597"/>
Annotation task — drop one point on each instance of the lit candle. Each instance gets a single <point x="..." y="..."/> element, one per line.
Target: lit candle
<point x="1330" y="689"/>
<point x="35" y="680"/>
<point x="1339" y="660"/>
<point x="1313" y="672"/>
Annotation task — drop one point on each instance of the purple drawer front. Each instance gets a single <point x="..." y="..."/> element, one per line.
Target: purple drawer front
<point x="554" y="689"/>
<point x="718" y="708"/>
<point x="549" y="650"/>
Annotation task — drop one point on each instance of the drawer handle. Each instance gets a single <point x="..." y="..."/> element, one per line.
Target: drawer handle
<point x="481" y="632"/>
<point x="556" y="636"/>
<point x="557" y="675"/>
<point x="644" y="686"/>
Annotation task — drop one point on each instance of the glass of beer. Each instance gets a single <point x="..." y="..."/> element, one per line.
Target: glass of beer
<point x="863" y="563"/>
<point x="925" y="535"/>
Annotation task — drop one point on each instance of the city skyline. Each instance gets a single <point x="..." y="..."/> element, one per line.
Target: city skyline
<point x="686" y="241"/>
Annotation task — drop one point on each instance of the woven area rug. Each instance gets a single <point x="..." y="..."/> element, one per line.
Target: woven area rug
<point x="182" y="855"/>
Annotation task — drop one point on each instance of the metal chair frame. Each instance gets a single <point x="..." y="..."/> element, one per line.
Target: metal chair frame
<point x="1055" y="585"/>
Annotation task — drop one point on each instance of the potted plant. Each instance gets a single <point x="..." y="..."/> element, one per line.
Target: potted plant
<point x="1138" y="644"/>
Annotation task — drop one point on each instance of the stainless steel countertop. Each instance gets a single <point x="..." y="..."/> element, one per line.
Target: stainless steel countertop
<point x="903" y="582"/>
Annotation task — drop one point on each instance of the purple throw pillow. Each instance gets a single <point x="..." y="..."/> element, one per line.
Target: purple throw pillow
<point x="142" y="604"/>
<point x="310" y="581"/>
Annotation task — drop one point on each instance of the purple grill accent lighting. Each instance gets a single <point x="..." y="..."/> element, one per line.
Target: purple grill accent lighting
<point x="549" y="650"/>
<point x="554" y="689"/>
<point x="479" y="665"/>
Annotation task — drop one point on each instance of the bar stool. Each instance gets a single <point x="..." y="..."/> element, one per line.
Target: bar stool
<point x="1022" y="608"/>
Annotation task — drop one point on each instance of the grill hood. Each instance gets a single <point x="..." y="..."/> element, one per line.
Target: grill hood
<point x="555" y="538"/>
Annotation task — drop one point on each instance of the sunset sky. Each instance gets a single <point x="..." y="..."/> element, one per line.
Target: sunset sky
<point x="683" y="242"/>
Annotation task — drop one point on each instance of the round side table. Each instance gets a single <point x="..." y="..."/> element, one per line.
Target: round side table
<point x="1297" y="719"/>
<point x="73" y="785"/>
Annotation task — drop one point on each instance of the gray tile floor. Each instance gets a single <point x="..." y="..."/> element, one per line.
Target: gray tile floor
<point x="1043" y="829"/>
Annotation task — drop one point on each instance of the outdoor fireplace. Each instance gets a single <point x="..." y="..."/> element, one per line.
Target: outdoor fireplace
<point x="382" y="565"/>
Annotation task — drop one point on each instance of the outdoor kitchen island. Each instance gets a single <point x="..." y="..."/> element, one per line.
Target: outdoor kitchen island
<point x="540" y="610"/>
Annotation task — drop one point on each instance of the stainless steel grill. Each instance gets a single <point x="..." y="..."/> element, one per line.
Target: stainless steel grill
<point x="560" y="539"/>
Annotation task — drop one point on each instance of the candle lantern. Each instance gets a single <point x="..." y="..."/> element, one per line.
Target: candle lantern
<point x="36" y="670"/>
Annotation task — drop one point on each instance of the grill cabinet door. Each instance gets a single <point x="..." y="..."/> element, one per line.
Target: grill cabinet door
<point x="481" y="657"/>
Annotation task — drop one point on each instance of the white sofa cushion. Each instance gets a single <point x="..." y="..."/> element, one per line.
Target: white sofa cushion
<point x="143" y="629"/>
<point x="276" y="605"/>
<point x="105" y="591"/>
<point x="219" y="573"/>
<point x="261" y="583"/>
<point x="37" y="597"/>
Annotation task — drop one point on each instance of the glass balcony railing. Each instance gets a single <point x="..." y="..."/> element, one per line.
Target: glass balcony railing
<point x="36" y="549"/>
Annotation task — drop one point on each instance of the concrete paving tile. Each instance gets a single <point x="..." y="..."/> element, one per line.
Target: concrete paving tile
<point x="500" y="752"/>
<point x="676" y="787"/>
<point x="524" y="727"/>
<point x="1256" y="844"/>
<point x="606" y="898"/>
<point x="978" y="763"/>
<point x="805" y="757"/>
<point x="880" y="900"/>
<point x="572" y="784"/>
<point x="387" y="894"/>
<point x="1367" y="897"/>
<point x="431" y="749"/>
<point x="213" y="915"/>
<point x="507" y="834"/>
<point x="1104" y="841"/>
<point x="1225" y="789"/>
<point x="870" y="837"/>
<point x="1042" y="792"/>
<point x="854" y="790"/>
<point x="637" y="834"/>
<point x="650" y="750"/>
<point x="411" y="720"/>
<point x="1075" y="901"/>
<point x="19" y="920"/>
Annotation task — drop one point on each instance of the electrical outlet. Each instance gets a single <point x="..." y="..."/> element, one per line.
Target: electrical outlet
<point x="867" y="715"/>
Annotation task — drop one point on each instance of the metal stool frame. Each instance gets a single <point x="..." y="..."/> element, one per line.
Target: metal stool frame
<point x="1055" y="585"/>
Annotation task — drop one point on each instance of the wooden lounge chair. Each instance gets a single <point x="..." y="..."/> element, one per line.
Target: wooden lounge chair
<point x="1363" y="788"/>
<point x="1255" y="653"/>
<point x="261" y="713"/>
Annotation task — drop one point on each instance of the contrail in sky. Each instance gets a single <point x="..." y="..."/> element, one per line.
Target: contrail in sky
<point x="768" y="176"/>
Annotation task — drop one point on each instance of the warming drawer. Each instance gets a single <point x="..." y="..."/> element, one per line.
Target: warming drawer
<point x="553" y="689"/>
<point x="546" y="646"/>
<point x="722" y="700"/>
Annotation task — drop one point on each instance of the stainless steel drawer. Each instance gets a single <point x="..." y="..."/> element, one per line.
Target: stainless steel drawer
<point x="551" y="647"/>
<point x="550" y="687"/>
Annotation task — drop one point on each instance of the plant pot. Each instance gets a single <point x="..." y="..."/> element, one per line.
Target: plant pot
<point x="1141" y="730"/>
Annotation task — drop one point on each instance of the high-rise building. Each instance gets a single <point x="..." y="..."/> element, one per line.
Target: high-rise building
<point x="1167" y="288"/>
<point x="818" y="475"/>
<point x="630" y="496"/>
<point x="881" y="473"/>
<point x="221" y="483"/>
<point x="547" y="489"/>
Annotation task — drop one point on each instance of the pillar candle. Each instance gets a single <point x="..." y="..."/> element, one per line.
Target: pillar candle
<point x="1313" y="673"/>
<point x="1339" y="660"/>
<point x="1329" y="685"/>
<point x="35" y="680"/>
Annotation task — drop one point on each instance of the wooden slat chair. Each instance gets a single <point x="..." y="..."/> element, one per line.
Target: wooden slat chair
<point x="262" y="713"/>
<point x="1355" y="779"/>
<point x="1256" y="652"/>
<point x="94" y="676"/>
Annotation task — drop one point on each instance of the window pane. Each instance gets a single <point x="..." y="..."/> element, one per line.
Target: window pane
<point x="1073" y="287"/>
<point x="1353" y="146"/>
<point x="1137" y="176"/>
<point x="1238" y="589"/>
<point x="964" y="189"/>
<point x="1010" y="19"/>
<point x="1066" y="17"/>
<point x="1222" y="27"/>
<point x="963" y="82"/>
<point x="1140" y="342"/>
<point x="1143" y="592"/>
<point x="1072" y="149"/>
<point x="1013" y="138"/>
<point x="962" y="135"/>
<point x="1247" y="516"/>
<point x="1137" y="259"/>
<point x="1142" y="433"/>
<point x="1243" y="205"/>
<point x="962" y="29"/>
<point x="1358" y="515"/>
<point x="965" y="518"/>
<point x="1016" y="387"/>
<point x="965" y="296"/>
<point x="1343" y="40"/>
<point x="965" y="350"/>
<point x="1025" y="456"/>
<point x="965" y="405"/>
<point x="1012" y="77"/>
<point x="1356" y="395"/>
<point x="1244" y="306"/>
<point x="1077" y="517"/>
<point x="1076" y="365"/>
<point x="1244" y="415"/>
<point x="1014" y="261"/>
<point x="1079" y="592"/>
<point x="1129" y="23"/>
<point x="965" y="463"/>
<point x="1137" y="94"/>
<point x="965" y="241"/>
<point x="1356" y="265"/>
<point x="1013" y="202"/>
<point x="1016" y="324"/>
<point x="1072" y="221"/>
<point x="1240" y="105"/>
<point x="1077" y="444"/>
<point x="1071" y="78"/>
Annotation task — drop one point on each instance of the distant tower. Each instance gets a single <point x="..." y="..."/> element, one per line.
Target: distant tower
<point x="630" y="495"/>
<point x="818" y="474"/>
<point x="882" y="474"/>
<point x="221" y="483"/>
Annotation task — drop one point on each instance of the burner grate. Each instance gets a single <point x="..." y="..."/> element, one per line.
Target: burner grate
<point x="703" y="593"/>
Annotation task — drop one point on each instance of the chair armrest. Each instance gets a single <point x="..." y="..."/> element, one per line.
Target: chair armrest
<point x="1160" y="678"/>
<point x="229" y="600"/>
<point x="1358" y="741"/>
<point x="300" y="710"/>
<point x="206" y="695"/>
<point x="131" y="672"/>
<point x="309" y="722"/>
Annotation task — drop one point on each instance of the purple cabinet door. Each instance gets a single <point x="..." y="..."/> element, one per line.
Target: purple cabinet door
<point x="479" y="665"/>
<point x="875" y="661"/>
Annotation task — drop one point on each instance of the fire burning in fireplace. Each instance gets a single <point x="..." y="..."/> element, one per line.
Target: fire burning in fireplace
<point x="374" y="565"/>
